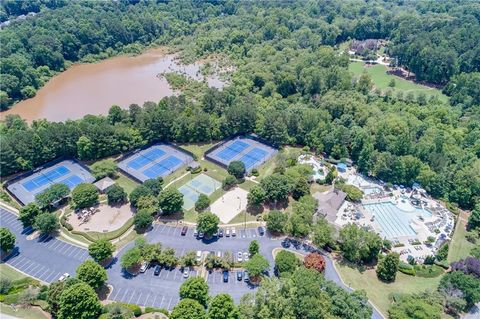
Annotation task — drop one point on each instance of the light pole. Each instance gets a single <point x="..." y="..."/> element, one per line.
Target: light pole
<point x="240" y="207"/>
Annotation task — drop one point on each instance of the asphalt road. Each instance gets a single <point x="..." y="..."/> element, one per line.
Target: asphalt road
<point x="48" y="258"/>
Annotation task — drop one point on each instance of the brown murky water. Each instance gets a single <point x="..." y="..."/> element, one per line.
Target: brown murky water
<point x="93" y="88"/>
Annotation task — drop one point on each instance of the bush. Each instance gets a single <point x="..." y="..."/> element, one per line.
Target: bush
<point x="64" y="223"/>
<point x="428" y="271"/>
<point x="229" y="182"/>
<point x="406" y="268"/>
<point x="237" y="169"/>
<point x="314" y="261"/>
<point x="5" y="285"/>
<point x="104" y="168"/>
<point x="442" y="252"/>
<point x="196" y="170"/>
<point x="142" y="219"/>
<point x="137" y="311"/>
<point x="202" y="202"/>
<point x="160" y="310"/>
<point x="116" y="195"/>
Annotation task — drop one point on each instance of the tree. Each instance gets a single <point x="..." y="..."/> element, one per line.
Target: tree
<point x="101" y="250"/>
<point x="28" y="213"/>
<point x="222" y="307"/>
<point x="331" y="175"/>
<point x="188" y="309"/>
<point x="276" y="187"/>
<point x="416" y="306"/>
<point x="188" y="260"/>
<point x="354" y="194"/>
<point x="364" y="84"/>
<point x="79" y="301"/>
<point x="202" y="203"/>
<point x="301" y="188"/>
<point x="254" y="247"/>
<point x="314" y="261"/>
<point x="137" y="193"/>
<point x="55" y="290"/>
<point x="358" y="244"/>
<point x="116" y="195"/>
<point x="387" y="267"/>
<point x="84" y="195"/>
<point x="101" y="169"/>
<point x="131" y="258"/>
<point x="286" y="262"/>
<point x="52" y="194"/>
<point x="154" y="185"/>
<point x="474" y="218"/>
<point x="455" y="281"/>
<point x="276" y="221"/>
<point x="92" y="274"/>
<point x="208" y="223"/>
<point x="148" y="203"/>
<point x="46" y="223"/>
<point x="170" y="200"/>
<point x="256" y="266"/>
<point x="142" y="219"/>
<point x="7" y="239"/>
<point x="256" y="196"/>
<point x="229" y="182"/>
<point x="322" y="233"/>
<point x="195" y="288"/>
<point x="237" y="169"/>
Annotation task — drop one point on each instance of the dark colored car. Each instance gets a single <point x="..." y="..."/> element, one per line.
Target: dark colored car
<point x="261" y="230"/>
<point x="246" y="277"/>
<point x="239" y="275"/>
<point x="184" y="230"/>
<point x="285" y="243"/>
<point x="157" y="270"/>
<point x="225" y="276"/>
<point x="220" y="232"/>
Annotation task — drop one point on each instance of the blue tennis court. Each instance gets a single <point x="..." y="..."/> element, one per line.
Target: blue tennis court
<point x="138" y="162"/>
<point x="233" y="150"/>
<point x="252" y="157"/>
<point x="67" y="172"/>
<point x="46" y="178"/>
<point x="154" y="154"/>
<point x="162" y="168"/>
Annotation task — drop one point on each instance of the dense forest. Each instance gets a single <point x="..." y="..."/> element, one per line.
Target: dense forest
<point x="291" y="85"/>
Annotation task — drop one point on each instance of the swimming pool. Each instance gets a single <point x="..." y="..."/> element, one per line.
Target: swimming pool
<point x="371" y="190"/>
<point x="394" y="221"/>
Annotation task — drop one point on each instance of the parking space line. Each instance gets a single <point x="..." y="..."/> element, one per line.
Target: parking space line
<point x="139" y="297"/>
<point x="163" y="228"/>
<point x="67" y="250"/>
<point x="169" y="303"/>
<point x="175" y="275"/>
<point x="115" y="296"/>
<point x="47" y="279"/>
<point x="124" y="295"/>
<point x="131" y="296"/>
<point x="44" y="272"/>
<point x="56" y="243"/>
<point x="163" y="298"/>
<point x="78" y="251"/>
<point x="34" y="268"/>
<point x="146" y="300"/>
<point x="154" y="299"/>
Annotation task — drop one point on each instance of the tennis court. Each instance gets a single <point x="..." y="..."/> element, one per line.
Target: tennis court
<point x="202" y="184"/>
<point x="67" y="172"/>
<point x="249" y="151"/>
<point x="156" y="161"/>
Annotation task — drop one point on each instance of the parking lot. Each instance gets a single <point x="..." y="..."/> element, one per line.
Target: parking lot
<point x="44" y="258"/>
<point x="241" y="232"/>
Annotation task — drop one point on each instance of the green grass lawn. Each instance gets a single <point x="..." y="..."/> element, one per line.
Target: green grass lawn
<point x="240" y="218"/>
<point x="9" y="272"/>
<point x="459" y="247"/>
<point x="24" y="313"/>
<point x="127" y="183"/>
<point x="379" y="292"/>
<point x="381" y="79"/>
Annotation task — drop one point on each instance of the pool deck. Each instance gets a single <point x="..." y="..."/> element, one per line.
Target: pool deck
<point x="394" y="217"/>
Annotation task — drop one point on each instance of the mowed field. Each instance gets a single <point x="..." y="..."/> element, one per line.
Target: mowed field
<point x="381" y="79"/>
<point x="380" y="292"/>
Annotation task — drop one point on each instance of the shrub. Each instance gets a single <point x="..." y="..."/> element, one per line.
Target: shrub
<point x="406" y="268"/>
<point x="137" y="311"/>
<point x="388" y="266"/>
<point x="229" y="182"/>
<point x="237" y="169"/>
<point x="142" y="219"/>
<point x="104" y="168"/>
<point x="442" y="252"/>
<point x="196" y="170"/>
<point x="160" y="310"/>
<point x="202" y="202"/>
<point x="428" y="271"/>
<point x="116" y="195"/>
<point x="315" y="261"/>
<point x="286" y="262"/>
<point x="5" y="285"/>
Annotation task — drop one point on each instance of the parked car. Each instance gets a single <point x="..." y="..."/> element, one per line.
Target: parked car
<point x="220" y="232"/>
<point x="215" y="234"/>
<point x="246" y="277"/>
<point x="184" y="230"/>
<point x="64" y="277"/>
<point x="225" y="276"/>
<point x="261" y="230"/>
<point x="246" y="256"/>
<point x="227" y="232"/>
<point x="285" y="243"/>
<point x="199" y="255"/>
<point x="195" y="232"/>
<point x="239" y="275"/>
<point x="219" y="254"/>
<point x="157" y="270"/>
<point x="186" y="272"/>
<point x="144" y="267"/>
<point x="201" y="234"/>
<point x="233" y="232"/>
<point x="239" y="256"/>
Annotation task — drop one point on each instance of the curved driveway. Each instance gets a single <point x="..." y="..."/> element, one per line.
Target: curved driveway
<point x="48" y="258"/>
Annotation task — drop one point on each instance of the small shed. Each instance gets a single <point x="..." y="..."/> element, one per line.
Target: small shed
<point x="103" y="184"/>
<point x="342" y="167"/>
<point x="194" y="165"/>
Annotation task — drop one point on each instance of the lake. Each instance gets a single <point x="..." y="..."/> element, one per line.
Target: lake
<point x="93" y="88"/>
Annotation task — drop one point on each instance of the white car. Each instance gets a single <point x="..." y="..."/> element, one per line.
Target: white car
<point x="233" y="232"/>
<point x="144" y="267"/>
<point x="186" y="272"/>
<point x="246" y="256"/>
<point x="227" y="232"/>
<point x="64" y="277"/>
<point x="199" y="255"/>
<point x="239" y="256"/>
